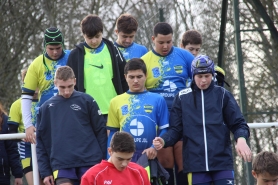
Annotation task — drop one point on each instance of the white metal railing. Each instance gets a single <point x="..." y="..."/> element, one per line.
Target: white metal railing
<point x="34" y="155"/>
<point x="33" y="151"/>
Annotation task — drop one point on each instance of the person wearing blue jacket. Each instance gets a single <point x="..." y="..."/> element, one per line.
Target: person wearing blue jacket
<point x="9" y="156"/>
<point x="71" y="133"/>
<point x="204" y="115"/>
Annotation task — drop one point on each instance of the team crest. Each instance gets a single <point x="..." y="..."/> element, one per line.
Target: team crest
<point x="124" y="109"/>
<point x="178" y="69"/>
<point x="148" y="108"/>
<point x="156" y="72"/>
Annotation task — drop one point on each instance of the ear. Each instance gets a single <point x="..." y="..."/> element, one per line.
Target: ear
<point x="125" y="76"/>
<point x="153" y="38"/>
<point x="55" y="82"/>
<point x="254" y="174"/>
<point x="116" y="31"/>
<point x="109" y="151"/>
<point x="74" y="81"/>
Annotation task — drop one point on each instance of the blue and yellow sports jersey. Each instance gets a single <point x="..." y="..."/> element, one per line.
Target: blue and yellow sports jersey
<point x="133" y="51"/>
<point x="139" y="114"/>
<point x="41" y="75"/>
<point x="167" y="75"/>
<point x="98" y="73"/>
<point x="15" y="115"/>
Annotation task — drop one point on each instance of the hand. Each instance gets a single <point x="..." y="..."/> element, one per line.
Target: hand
<point x="151" y="153"/>
<point x="48" y="180"/>
<point x="158" y="143"/>
<point x="18" y="181"/>
<point x="30" y="135"/>
<point x="243" y="150"/>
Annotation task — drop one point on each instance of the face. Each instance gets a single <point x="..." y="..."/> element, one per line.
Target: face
<point x="94" y="41"/>
<point x="136" y="80"/>
<point x="203" y="80"/>
<point x="162" y="43"/>
<point x="125" y="39"/>
<point x="54" y="51"/>
<point x="119" y="159"/>
<point x="194" y="49"/>
<point x="265" y="178"/>
<point x="65" y="88"/>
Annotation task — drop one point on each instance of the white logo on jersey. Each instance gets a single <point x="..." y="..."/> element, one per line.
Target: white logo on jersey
<point x="169" y="86"/>
<point x="137" y="128"/>
<point x="107" y="182"/>
<point x="99" y="112"/>
<point x="75" y="107"/>
<point x="185" y="91"/>
<point x="51" y="105"/>
<point x="229" y="181"/>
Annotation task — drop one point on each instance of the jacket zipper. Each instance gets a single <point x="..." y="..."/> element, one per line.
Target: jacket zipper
<point x="204" y="129"/>
<point x="3" y="167"/>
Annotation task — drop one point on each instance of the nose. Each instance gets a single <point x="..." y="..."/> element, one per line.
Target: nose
<point x="194" y="52"/>
<point x="66" y="91"/>
<point x="125" y="163"/>
<point x="135" y="79"/>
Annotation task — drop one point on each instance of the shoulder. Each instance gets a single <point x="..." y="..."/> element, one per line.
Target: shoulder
<point x="147" y="55"/>
<point x="37" y="61"/>
<point x="16" y="104"/>
<point x="135" y="166"/>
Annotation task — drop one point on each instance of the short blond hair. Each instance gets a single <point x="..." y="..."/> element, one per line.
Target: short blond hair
<point x="64" y="73"/>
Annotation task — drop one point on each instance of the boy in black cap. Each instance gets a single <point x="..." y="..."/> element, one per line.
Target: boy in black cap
<point x="40" y="75"/>
<point x="204" y="115"/>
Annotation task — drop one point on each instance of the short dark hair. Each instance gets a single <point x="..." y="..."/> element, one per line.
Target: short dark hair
<point x="191" y="37"/>
<point x="64" y="73"/>
<point x="126" y="23"/>
<point x="162" y="28"/>
<point x="266" y="162"/>
<point x="122" y="142"/>
<point x="91" y="25"/>
<point x="134" y="64"/>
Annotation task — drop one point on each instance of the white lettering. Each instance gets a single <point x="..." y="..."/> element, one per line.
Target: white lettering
<point x="137" y="140"/>
<point x="167" y="94"/>
<point x="108" y="182"/>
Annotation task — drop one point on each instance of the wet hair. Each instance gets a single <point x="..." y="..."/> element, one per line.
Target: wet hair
<point x="134" y="64"/>
<point x="91" y="25"/>
<point x="126" y="23"/>
<point x="191" y="37"/>
<point x="266" y="162"/>
<point x="2" y="112"/>
<point x="162" y="28"/>
<point x="64" y="73"/>
<point x="122" y="142"/>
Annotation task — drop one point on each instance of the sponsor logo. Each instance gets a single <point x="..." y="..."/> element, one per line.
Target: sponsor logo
<point x="51" y="105"/>
<point x="156" y="72"/>
<point x="75" y="107"/>
<point x="100" y="67"/>
<point x="124" y="109"/>
<point x="185" y="91"/>
<point x="136" y="127"/>
<point x="107" y="182"/>
<point x="230" y="182"/>
<point x="169" y="86"/>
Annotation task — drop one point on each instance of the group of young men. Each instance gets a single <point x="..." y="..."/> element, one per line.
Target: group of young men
<point x="121" y="98"/>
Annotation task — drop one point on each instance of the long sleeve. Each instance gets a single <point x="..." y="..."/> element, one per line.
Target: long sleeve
<point x="42" y="155"/>
<point x="99" y="127"/>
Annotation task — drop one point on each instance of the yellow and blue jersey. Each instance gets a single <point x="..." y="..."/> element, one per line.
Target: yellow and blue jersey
<point x="133" y="51"/>
<point x="167" y="75"/>
<point x="15" y="115"/>
<point x="41" y="74"/>
<point x="139" y="114"/>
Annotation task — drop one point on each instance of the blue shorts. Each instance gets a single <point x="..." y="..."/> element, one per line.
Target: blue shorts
<point x="70" y="173"/>
<point x="210" y="176"/>
<point x="25" y="156"/>
<point x="24" y="149"/>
